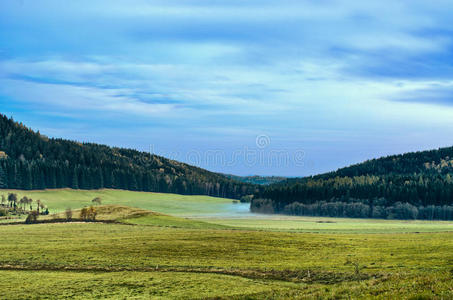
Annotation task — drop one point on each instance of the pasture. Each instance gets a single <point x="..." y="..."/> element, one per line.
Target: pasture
<point x="86" y="260"/>
<point x="175" y="254"/>
<point x="224" y="212"/>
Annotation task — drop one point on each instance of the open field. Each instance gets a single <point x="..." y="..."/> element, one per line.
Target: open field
<point x="224" y="213"/>
<point x="143" y="254"/>
<point x="119" y="260"/>
<point x="60" y="199"/>
<point x="331" y="225"/>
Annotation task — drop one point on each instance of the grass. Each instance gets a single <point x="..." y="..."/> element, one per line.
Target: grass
<point x="130" y="285"/>
<point x="171" y="221"/>
<point x="148" y="254"/>
<point x="181" y="205"/>
<point x="133" y="216"/>
<point x="291" y="264"/>
<point x="332" y="225"/>
<point x="221" y="213"/>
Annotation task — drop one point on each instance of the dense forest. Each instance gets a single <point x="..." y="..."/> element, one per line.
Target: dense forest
<point x="30" y="160"/>
<point x="415" y="185"/>
<point x="255" y="179"/>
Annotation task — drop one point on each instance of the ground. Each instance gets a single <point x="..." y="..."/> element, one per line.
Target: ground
<point x="151" y="254"/>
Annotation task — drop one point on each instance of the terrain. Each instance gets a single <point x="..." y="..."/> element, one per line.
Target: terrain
<point x="222" y="211"/>
<point x="146" y="254"/>
<point x="87" y="221"/>
<point x="135" y="250"/>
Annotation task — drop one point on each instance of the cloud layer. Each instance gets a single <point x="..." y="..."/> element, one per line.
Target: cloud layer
<point x="341" y="80"/>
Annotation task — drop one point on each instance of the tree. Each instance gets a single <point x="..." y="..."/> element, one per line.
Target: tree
<point x="92" y="213"/>
<point x="23" y="201"/>
<point x="75" y="179"/>
<point x="12" y="199"/>
<point x="42" y="206"/>
<point x="3" y="201"/>
<point x="32" y="217"/>
<point x="84" y="214"/>
<point x="97" y="201"/>
<point x="68" y="214"/>
<point x="3" y="179"/>
<point x="88" y="214"/>
<point x="30" y="202"/>
<point x="38" y="205"/>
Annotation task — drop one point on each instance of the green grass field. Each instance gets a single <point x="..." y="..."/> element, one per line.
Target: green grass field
<point x="60" y="199"/>
<point x="175" y="254"/>
<point x="223" y="212"/>
<point x="332" y="225"/>
<point x="119" y="260"/>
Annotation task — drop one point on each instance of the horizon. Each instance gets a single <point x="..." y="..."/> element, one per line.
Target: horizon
<point x="246" y="89"/>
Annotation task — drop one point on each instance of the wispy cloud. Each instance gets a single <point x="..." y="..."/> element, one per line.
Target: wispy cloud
<point x="338" y="73"/>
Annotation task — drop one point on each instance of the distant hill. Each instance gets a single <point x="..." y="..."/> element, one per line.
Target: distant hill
<point x="408" y="186"/>
<point x="29" y="160"/>
<point x="261" y="180"/>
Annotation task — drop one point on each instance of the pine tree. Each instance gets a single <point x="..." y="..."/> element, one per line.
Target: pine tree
<point x="3" y="179"/>
<point x="75" y="179"/>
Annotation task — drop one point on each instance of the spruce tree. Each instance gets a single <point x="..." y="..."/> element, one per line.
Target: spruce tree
<point x="3" y="179"/>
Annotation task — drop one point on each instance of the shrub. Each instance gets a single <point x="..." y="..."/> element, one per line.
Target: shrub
<point x="32" y="217"/>
<point x="68" y="214"/>
<point x="88" y="214"/>
<point x="3" y="212"/>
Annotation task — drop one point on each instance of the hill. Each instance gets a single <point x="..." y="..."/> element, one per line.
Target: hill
<point x="30" y="160"/>
<point x="407" y="186"/>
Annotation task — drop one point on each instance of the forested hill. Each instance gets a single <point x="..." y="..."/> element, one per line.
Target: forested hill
<point x="410" y="185"/>
<point x="29" y="160"/>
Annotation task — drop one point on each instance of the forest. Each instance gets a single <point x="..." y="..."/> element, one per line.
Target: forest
<point x="30" y="160"/>
<point x="416" y="185"/>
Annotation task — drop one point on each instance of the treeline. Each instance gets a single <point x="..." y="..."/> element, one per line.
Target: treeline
<point x="429" y="188"/>
<point x="358" y="209"/>
<point x="29" y="160"/>
<point x="261" y="180"/>
<point x="421" y="180"/>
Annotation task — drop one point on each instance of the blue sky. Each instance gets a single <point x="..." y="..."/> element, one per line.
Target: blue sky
<point x="246" y="87"/>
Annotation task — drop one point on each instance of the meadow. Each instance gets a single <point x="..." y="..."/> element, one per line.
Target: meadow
<point x="151" y="254"/>
<point x="224" y="212"/>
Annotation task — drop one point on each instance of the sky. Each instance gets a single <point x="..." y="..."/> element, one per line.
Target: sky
<point x="288" y="88"/>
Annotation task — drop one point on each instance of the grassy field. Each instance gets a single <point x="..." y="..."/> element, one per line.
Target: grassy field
<point x="223" y="212"/>
<point x="332" y="225"/>
<point x="119" y="260"/>
<point x="144" y="254"/>
<point x="60" y="199"/>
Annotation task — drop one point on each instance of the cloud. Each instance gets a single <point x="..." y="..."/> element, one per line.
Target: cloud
<point x="315" y="71"/>
<point x="78" y="98"/>
<point x="434" y="93"/>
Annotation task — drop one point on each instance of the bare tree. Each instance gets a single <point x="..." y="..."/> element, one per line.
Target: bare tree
<point x="97" y="201"/>
<point x="23" y="201"/>
<point x="38" y="204"/>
